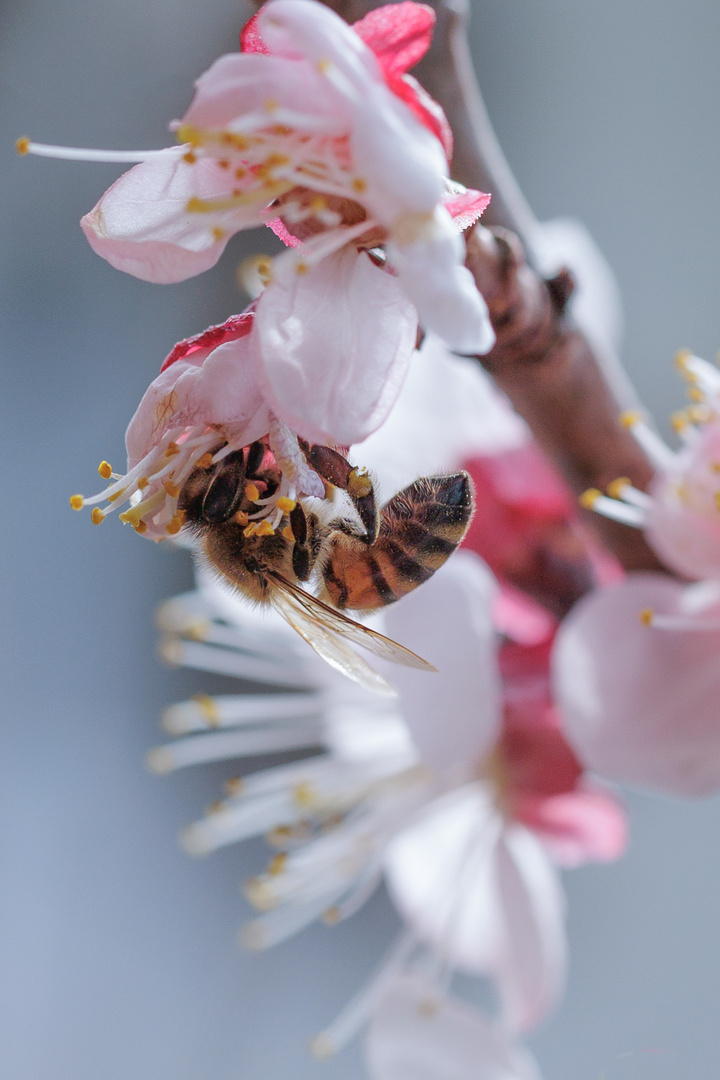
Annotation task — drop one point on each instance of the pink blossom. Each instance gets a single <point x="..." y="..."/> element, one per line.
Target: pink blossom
<point x="640" y="700"/>
<point x="317" y="113"/>
<point x="680" y="513"/>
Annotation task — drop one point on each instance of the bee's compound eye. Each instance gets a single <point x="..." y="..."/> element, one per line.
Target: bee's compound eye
<point x="225" y="491"/>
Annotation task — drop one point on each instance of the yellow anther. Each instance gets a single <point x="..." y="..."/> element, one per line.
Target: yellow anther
<point x="699" y="414"/>
<point x="172" y="489"/>
<point x="218" y="233"/>
<point x="301" y="268"/>
<point x="359" y="184"/>
<point x="288" y="534"/>
<point x="250" y="530"/>
<point x="277" y="863"/>
<point x="265" y="529"/>
<point x="105" y="470"/>
<point x="304" y="794"/>
<point x="240" y="518"/>
<point x="175" y="523"/>
<point x="318" y="204"/>
<point x="77" y="502"/>
<point x="646" y="616"/>
<point x="196" y="205"/>
<point x="234" y="785"/>
<point x="118" y="495"/>
<point x="616" y="487"/>
<point x="140" y="528"/>
<point x="681" y="360"/>
<point x="589" y="498"/>
<point x="22" y="145"/>
<point x="186" y="133"/>
<point x="240" y="173"/>
<point x="208" y="708"/>
<point x="323" y="65"/>
<point x="714" y="466"/>
<point x="204" y="462"/>
<point x="172" y="450"/>
<point x="679" y="421"/>
<point x="359" y="484"/>
<point x="142" y="483"/>
<point x="97" y="517"/>
<point x="332" y="916"/>
<point x="215" y="807"/>
<point x="695" y="393"/>
<point x="630" y="418"/>
<point x="223" y="163"/>
<point x="190" y="157"/>
<point x="285" y="504"/>
<point x="272" y="105"/>
<point x="252" y="492"/>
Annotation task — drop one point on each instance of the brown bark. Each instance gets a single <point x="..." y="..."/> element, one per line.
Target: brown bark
<point x="552" y="376"/>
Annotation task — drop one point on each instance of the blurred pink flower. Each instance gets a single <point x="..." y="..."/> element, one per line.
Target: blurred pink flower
<point x="640" y="700"/>
<point x="418" y="1034"/>
<point x="680" y="513"/>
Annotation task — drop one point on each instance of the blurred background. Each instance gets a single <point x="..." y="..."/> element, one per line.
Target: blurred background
<point x="117" y="952"/>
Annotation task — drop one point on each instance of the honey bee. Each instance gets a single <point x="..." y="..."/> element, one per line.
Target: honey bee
<point x="361" y="565"/>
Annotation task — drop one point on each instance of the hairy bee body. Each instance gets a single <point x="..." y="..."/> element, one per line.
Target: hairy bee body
<point x="419" y="528"/>
<point x="266" y="545"/>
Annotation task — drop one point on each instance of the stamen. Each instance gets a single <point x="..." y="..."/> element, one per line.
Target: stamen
<point x="236" y="710"/>
<point x="204" y="657"/>
<point x="218" y="746"/>
<point x="77" y="502"/>
<point x="105" y="470"/>
<point x="73" y="153"/>
<point x="592" y="499"/>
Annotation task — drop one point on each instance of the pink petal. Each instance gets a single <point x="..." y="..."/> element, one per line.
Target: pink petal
<point x="279" y="228"/>
<point x="453" y="716"/>
<point x="587" y="825"/>
<point x="220" y="387"/>
<point x="398" y="34"/>
<point x="336" y="344"/>
<point x="640" y="703"/>
<point x="417" y="1035"/>
<point x="241" y="83"/>
<point x="237" y="326"/>
<point x="250" y="38"/>
<point x="141" y="224"/>
<point x="466" y="208"/>
<point x="426" y="108"/>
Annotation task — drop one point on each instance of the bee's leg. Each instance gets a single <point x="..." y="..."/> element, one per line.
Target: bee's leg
<point x="332" y="467"/>
<point x="420" y="527"/>
<point x="303" y="532"/>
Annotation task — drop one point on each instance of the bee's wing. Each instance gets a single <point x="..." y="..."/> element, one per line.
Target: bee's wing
<point x="329" y="646"/>
<point x="323" y="615"/>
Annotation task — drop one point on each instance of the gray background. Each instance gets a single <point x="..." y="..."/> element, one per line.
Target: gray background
<point x="117" y="955"/>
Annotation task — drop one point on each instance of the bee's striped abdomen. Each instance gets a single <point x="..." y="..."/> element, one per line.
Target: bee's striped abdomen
<point x="419" y="528"/>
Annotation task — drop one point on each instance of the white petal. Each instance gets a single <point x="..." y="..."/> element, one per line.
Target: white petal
<point x="486" y="896"/>
<point x="141" y="224"/>
<point x="454" y="714"/>
<point x="415" y="1036"/>
<point x="531" y="974"/>
<point x="442" y="289"/>
<point x="336" y="343"/>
